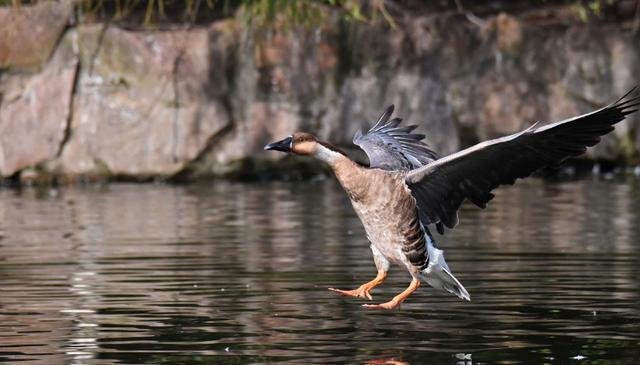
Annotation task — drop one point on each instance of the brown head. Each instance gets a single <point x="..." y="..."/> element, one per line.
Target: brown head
<point x="299" y="143"/>
<point x="307" y="145"/>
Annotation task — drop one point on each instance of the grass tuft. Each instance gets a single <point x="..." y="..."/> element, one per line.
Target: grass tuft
<point x="262" y="12"/>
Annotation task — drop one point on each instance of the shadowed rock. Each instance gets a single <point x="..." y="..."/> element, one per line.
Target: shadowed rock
<point x="28" y="34"/>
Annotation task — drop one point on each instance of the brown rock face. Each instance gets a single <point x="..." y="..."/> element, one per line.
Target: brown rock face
<point x="143" y="105"/>
<point x="199" y="101"/>
<point x="34" y="113"/>
<point x="28" y="34"/>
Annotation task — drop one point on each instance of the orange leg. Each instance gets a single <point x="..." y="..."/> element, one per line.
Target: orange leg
<point x="363" y="290"/>
<point x="395" y="302"/>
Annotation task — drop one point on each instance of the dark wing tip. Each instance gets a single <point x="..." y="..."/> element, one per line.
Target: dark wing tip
<point x="628" y="102"/>
<point x="384" y="117"/>
<point x="630" y="92"/>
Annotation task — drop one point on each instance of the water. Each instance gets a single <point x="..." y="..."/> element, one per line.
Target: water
<point x="230" y="273"/>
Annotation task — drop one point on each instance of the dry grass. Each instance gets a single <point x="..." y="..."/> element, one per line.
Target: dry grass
<point x="290" y="12"/>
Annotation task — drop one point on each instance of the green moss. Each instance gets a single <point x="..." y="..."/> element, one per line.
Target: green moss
<point x="173" y="103"/>
<point x="122" y="82"/>
<point x="102" y="169"/>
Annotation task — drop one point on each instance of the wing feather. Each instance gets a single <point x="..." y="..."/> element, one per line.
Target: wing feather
<point x="441" y="186"/>
<point x="390" y="147"/>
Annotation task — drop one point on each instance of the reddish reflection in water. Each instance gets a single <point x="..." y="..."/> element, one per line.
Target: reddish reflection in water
<point x="390" y="361"/>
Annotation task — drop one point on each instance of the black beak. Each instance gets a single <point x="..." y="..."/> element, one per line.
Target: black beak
<point x="284" y="145"/>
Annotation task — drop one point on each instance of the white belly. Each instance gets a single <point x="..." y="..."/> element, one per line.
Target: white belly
<point x="380" y="224"/>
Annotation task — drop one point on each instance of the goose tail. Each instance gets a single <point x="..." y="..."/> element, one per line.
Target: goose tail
<point x="439" y="276"/>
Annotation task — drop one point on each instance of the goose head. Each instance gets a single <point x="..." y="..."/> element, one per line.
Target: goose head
<point x="298" y="143"/>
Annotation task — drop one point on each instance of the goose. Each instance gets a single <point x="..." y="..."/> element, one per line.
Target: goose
<point x="406" y="188"/>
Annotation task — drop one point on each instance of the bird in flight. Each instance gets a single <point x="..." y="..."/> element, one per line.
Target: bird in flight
<point x="406" y="188"/>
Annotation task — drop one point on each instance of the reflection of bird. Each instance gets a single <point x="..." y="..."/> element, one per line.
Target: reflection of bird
<point x="406" y="188"/>
<point x="390" y="361"/>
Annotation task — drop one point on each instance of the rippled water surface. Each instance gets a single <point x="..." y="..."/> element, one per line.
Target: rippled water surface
<point x="230" y="273"/>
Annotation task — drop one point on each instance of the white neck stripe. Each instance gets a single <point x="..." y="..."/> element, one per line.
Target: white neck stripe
<point x="325" y="154"/>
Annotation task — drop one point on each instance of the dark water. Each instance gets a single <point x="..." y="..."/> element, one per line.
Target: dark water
<point x="237" y="274"/>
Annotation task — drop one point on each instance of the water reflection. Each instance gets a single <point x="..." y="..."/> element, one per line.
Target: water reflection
<point x="390" y="361"/>
<point x="237" y="273"/>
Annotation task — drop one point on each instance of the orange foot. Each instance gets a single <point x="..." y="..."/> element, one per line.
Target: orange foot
<point x="361" y="292"/>
<point x="388" y="305"/>
<point x="395" y="302"/>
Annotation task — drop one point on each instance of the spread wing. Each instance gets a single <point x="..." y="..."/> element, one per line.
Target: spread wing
<point x="440" y="187"/>
<point x="390" y="147"/>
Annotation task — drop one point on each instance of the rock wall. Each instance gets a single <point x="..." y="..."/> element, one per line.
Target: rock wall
<point x="95" y="100"/>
